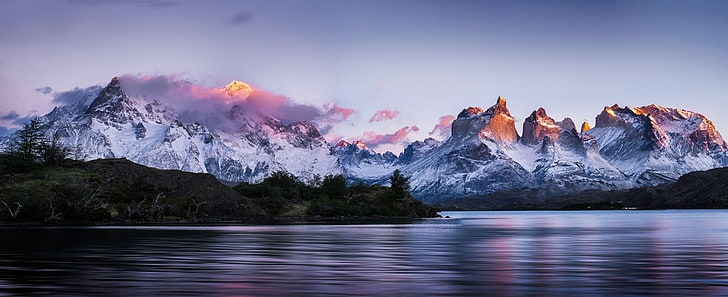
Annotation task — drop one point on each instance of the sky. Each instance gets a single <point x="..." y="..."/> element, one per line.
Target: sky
<point x="398" y="69"/>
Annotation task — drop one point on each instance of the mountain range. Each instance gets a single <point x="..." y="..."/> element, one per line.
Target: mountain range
<point x="626" y="148"/>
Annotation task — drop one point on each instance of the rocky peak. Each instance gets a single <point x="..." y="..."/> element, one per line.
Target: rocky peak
<point x="469" y="112"/>
<point x="238" y="89"/>
<point x="700" y="131"/>
<point x="566" y="124"/>
<point x="342" y="143"/>
<point x="417" y="149"/>
<point x="496" y="123"/>
<point x="538" y="126"/>
<point x="113" y="106"/>
<point x="570" y="140"/>
<point x="585" y="127"/>
<point x="354" y="145"/>
<point x="499" y="108"/>
<point x="299" y="134"/>
<point x="609" y="117"/>
<point x="110" y="94"/>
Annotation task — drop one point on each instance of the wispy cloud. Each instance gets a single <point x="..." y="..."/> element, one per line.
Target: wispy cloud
<point x="384" y="114"/>
<point x="11" y="120"/>
<point x="374" y="139"/>
<point x="442" y="128"/>
<point x="241" y="18"/>
<point x="9" y="116"/>
<point x="44" y="90"/>
<point x="76" y="95"/>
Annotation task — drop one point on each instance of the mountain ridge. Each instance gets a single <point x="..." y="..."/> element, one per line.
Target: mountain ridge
<point x="626" y="148"/>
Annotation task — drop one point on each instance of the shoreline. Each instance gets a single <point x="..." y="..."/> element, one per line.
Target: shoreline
<point x="228" y="221"/>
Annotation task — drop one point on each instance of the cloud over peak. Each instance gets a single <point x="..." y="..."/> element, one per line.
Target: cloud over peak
<point x="193" y="98"/>
<point x="374" y="139"/>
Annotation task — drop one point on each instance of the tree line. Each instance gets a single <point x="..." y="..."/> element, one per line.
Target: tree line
<point x="282" y="194"/>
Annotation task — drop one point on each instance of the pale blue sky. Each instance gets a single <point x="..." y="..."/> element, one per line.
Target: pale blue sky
<point x="424" y="59"/>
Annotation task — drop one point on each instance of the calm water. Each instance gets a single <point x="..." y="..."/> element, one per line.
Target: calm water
<point x="610" y="253"/>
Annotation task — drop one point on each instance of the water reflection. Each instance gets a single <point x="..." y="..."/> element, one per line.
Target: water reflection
<point x="664" y="253"/>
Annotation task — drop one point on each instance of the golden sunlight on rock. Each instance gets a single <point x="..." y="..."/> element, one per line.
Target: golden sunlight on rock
<point x="238" y="89"/>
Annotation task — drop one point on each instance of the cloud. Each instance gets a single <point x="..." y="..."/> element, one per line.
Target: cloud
<point x="44" y="90"/>
<point x="241" y="18"/>
<point x="76" y="95"/>
<point x="373" y="139"/>
<point x="384" y="114"/>
<point x="199" y="103"/>
<point x="9" y="116"/>
<point x="12" y="119"/>
<point x="148" y="3"/>
<point x="442" y="128"/>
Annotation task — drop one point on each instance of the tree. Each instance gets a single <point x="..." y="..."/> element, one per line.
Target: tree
<point x="32" y="146"/>
<point x="334" y="186"/>
<point x="400" y="185"/>
<point x="281" y="179"/>
<point x="30" y="142"/>
<point x="53" y="153"/>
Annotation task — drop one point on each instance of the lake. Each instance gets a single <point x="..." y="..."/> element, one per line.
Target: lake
<point x="527" y="253"/>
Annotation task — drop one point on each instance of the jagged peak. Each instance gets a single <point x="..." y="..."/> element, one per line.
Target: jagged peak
<point x="585" y="127"/>
<point x="342" y="143"/>
<point x="356" y="143"/>
<point x="501" y="101"/>
<point x="566" y="124"/>
<point x="111" y="94"/>
<point x="539" y="113"/>
<point x="470" y="111"/>
<point x="114" y="84"/>
<point x="539" y="126"/>
<point x="360" y="145"/>
<point x="499" y="107"/>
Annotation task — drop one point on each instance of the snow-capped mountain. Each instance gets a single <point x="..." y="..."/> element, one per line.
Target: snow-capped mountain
<point x="653" y="144"/>
<point x="240" y="147"/>
<point x="473" y="161"/>
<point x="627" y="147"/>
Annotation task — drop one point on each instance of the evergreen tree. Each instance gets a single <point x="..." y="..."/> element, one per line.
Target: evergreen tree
<point x="29" y="142"/>
<point x="400" y="185"/>
<point x="31" y="146"/>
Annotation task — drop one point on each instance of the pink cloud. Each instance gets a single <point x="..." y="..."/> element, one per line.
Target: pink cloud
<point x="341" y="113"/>
<point x="384" y="114"/>
<point x="442" y="128"/>
<point x="199" y="102"/>
<point x="372" y="138"/>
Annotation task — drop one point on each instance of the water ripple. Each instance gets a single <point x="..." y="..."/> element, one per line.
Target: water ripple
<point x="662" y="253"/>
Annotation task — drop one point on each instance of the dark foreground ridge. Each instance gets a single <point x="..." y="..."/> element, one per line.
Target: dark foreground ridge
<point x="695" y="190"/>
<point x="118" y="191"/>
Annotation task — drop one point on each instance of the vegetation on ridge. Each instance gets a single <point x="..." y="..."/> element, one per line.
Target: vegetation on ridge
<point x="282" y="194"/>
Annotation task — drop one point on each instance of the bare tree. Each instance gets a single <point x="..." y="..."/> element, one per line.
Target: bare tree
<point x="197" y="206"/>
<point x="53" y="215"/>
<point x="13" y="213"/>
